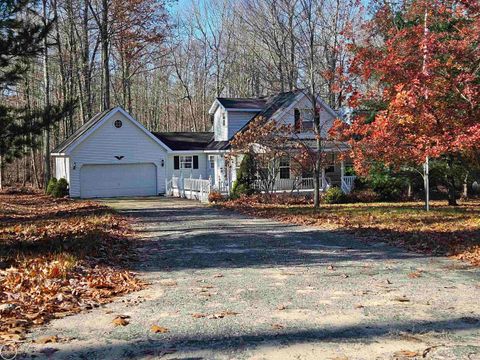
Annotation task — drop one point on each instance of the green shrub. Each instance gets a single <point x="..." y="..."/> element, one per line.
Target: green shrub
<point x="52" y="183"/>
<point x="245" y="178"/>
<point x="334" y="195"/>
<point x="60" y="189"/>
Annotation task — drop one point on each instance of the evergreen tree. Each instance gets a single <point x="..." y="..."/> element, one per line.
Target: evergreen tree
<point x="21" y="41"/>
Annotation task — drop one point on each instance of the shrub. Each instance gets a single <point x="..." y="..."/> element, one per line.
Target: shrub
<point x="51" y="185"/>
<point x="245" y="178"/>
<point x="60" y="189"/>
<point x="215" y="197"/>
<point x="334" y="195"/>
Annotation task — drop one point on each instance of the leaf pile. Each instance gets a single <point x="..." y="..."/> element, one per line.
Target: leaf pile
<point x="57" y="257"/>
<point x="445" y="230"/>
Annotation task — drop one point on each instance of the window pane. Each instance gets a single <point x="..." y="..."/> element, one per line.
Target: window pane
<point x="285" y="173"/>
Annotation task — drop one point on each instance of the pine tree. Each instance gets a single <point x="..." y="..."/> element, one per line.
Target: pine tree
<point x="21" y="41"/>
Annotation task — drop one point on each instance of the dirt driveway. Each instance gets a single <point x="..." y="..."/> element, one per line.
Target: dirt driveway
<point x="231" y="287"/>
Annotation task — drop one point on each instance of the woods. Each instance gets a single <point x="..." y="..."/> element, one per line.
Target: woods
<point x="165" y="64"/>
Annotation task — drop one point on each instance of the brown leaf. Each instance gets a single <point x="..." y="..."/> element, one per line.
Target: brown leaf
<point x="401" y="299"/>
<point x="281" y="307"/>
<point x="121" y="320"/>
<point x="158" y="329"/>
<point x="46" y="339"/>
<point x="415" y="274"/>
<point x="277" y="326"/>
<point x="198" y="315"/>
<point x="406" y="353"/>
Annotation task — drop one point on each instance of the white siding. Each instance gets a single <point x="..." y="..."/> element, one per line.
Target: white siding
<point x="107" y="141"/>
<point x="194" y="173"/>
<point x="236" y="120"/>
<point x="326" y="119"/>
<point x="220" y="130"/>
<point x="62" y="168"/>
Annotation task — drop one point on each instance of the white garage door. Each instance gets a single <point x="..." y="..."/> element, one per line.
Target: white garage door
<point x="118" y="180"/>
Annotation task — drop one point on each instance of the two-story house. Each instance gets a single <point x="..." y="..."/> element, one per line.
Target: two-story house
<point x="114" y="155"/>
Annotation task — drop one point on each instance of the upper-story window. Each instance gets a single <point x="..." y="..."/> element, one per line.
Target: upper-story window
<point x="303" y="119"/>
<point x="224" y="119"/>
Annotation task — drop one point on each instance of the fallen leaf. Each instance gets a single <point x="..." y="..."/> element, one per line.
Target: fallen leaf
<point x="415" y="274"/>
<point x="222" y="314"/>
<point x="401" y="299"/>
<point x="158" y="329"/>
<point x="359" y="306"/>
<point x="46" y="339"/>
<point x="217" y="275"/>
<point x="406" y="353"/>
<point x="277" y="326"/>
<point x="121" y="320"/>
<point x="330" y="267"/>
<point x="281" y="307"/>
<point x="198" y="315"/>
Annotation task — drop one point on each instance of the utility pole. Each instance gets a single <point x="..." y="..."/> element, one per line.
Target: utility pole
<point x="426" y="184"/>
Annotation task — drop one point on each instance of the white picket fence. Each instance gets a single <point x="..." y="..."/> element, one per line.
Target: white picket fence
<point x="196" y="189"/>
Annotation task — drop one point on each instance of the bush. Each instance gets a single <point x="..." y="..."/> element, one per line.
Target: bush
<point x="60" y="189"/>
<point x="215" y="197"/>
<point x="52" y="184"/>
<point x="245" y="178"/>
<point x="334" y="195"/>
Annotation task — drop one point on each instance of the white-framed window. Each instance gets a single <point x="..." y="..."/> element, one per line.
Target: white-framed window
<point x="307" y="116"/>
<point x="211" y="161"/>
<point x="186" y="162"/>
<point x="284" y="168"/>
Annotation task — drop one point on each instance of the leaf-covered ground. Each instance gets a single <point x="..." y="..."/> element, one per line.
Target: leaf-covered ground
<point x="445" y="230"/>
<point x="57" y="257"/>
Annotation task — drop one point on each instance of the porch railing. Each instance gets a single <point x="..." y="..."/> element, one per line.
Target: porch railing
<point x="197" y="189"/>
<point x="348" y="183"/>
<point x="296" y="184"/>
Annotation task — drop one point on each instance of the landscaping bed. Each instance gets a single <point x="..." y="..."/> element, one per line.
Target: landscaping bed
<point x="445" y="230"/>
<point x="57" y="257"/>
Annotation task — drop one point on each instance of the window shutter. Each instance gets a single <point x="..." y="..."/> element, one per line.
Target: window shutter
<point x="298" y="121"/>
<point x="195" y="162"/>
<point x="176" y="163"/>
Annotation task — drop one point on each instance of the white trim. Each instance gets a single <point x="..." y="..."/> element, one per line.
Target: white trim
<point x="107" y="117"/>
<point x="216" y="104"/>
<point x="246" y="110"/>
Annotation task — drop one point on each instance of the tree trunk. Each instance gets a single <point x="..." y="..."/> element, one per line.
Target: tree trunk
<point x="46" y="80"/>
<point x="1" y="172"/>
<point x="105" y="55"/>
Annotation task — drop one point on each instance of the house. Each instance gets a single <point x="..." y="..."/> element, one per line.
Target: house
<point x="114" y="155"/>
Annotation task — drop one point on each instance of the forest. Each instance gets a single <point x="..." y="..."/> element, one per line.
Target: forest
<point x="165" y="62"/>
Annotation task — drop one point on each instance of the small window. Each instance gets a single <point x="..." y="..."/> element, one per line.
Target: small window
<point x="284" y="168"/>
<point x="211" y="161"/>
<point x="330" y="163"/>
<point x="118" y="124"/>
<point x="224" y="119"/>
<point x="186" y="162"/>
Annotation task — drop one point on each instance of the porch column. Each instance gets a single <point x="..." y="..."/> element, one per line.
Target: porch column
<point x="342" y="169"/>
<point x="323" y="179"/>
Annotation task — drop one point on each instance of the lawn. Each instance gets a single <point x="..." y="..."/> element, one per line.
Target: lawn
<point x="445" y="230"/>
<point x="58" y="257"/>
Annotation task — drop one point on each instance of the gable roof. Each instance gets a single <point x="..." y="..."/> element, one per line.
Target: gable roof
<point x="185" y="140"/>
<point x="80" y="131"/>
<point x="91" y="125"/>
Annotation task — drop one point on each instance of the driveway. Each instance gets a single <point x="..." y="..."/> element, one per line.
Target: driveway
<point x="227" y="286"/>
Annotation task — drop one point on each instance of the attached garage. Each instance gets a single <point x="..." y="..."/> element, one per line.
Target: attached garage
<point x="112" y="155"/>
<point x="114" y="180"/>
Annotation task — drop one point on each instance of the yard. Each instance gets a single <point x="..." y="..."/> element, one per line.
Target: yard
<point x="445" y="230"/>
<point x="57" y="257"/>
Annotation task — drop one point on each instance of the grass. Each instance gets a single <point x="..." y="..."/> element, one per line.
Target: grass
<point x="445" y="230"/>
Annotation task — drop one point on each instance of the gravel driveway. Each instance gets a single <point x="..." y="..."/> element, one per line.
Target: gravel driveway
<point x="227" y="286"/>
